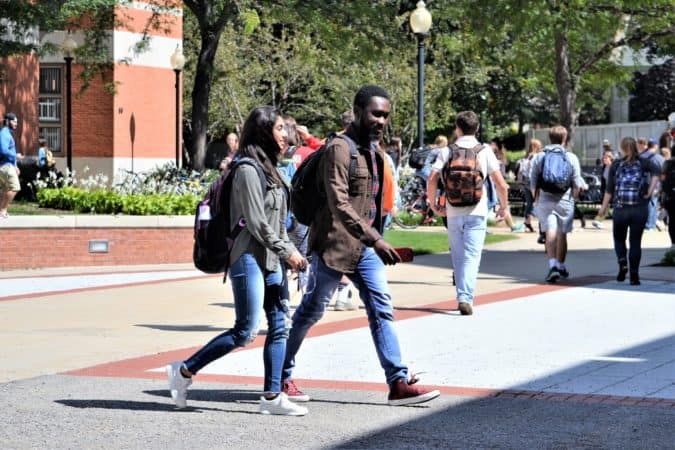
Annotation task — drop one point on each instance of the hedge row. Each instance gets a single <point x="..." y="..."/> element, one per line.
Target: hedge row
<point x="108" y="202"/>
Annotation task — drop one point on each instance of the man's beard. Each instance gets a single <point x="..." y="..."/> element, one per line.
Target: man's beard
<point x="375" y="135"/>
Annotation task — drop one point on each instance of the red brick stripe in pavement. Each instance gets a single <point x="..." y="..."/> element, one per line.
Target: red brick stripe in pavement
<point x="140" y="367"/>
<point x="102" y="286"/>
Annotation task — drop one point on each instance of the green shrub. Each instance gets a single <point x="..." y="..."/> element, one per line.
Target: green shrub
<point x="668" y="259"/>
<point x="109" y="202"/>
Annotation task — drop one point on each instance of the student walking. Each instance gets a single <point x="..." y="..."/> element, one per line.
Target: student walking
<point x="630" y="186"/>
<point x="523" y="178"/>
<point x="256" y="265"/>
<point x="555" y="180"/>
<point x="9" y="171"/>
<point x="346" y="238"/>
<point x="464" y="166"/>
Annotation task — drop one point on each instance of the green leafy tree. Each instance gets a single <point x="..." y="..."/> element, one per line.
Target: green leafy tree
<point x="570" y="47"/>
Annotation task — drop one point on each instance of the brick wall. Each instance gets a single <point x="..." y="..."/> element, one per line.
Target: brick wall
<point x="30" y="248"/>
<point x="18" y="94"/>
<point x="92" y="116"/>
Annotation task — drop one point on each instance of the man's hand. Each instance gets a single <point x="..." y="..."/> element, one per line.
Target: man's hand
<point x="501" y="212"/>
<point x="386" y="252"/>
<point x="296" y="261"/>
<point x="440" y="212"/>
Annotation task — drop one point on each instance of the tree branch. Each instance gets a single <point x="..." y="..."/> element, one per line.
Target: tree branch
<point x="632" y="11"/>
<point x="636" y="38"/>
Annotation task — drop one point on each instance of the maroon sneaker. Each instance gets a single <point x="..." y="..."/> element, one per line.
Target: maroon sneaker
<point x="294" y="394"/>
<point x="404" y="392"/>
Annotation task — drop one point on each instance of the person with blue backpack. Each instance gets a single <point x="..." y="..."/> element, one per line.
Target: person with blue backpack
<point x="256" y="262"/>
<point x="630" y="186"/>
<point x="555" y="180"/>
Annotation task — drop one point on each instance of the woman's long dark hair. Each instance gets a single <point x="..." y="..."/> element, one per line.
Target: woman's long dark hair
<point x="257" y="141"/>
<point x="630" y="148"/>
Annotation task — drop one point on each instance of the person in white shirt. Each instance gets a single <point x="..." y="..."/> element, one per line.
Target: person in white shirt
<point x="467" y="225"/>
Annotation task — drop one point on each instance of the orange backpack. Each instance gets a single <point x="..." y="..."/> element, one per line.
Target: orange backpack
<point x="462" y="177"/>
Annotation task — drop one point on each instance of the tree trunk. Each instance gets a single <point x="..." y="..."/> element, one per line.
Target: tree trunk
<point x="567" y="87"/>
<point x="200" y="96"/>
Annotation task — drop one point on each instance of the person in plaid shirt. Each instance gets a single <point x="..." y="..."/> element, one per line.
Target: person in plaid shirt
<point x="630" y="186"/>
<point x="346" y="238"/>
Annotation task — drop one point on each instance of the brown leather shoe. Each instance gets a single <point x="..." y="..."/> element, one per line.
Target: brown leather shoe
<point x="465" y="308"/>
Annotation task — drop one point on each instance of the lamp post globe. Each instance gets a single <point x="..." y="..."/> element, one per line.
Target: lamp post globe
<point x="420" y="24"/>
<point x="177" y="62"/>
<point x="177" y="59"/>
<point x="420" y="19"/>
<point x="68" y="47"/>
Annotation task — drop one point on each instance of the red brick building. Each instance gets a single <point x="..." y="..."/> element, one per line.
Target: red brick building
<point x="133" y="128"/>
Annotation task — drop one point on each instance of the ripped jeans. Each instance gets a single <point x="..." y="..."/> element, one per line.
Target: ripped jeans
<point x="253" y="292"/>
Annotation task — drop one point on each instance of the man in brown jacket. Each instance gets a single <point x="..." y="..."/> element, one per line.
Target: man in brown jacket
<point x="346" y="238"/>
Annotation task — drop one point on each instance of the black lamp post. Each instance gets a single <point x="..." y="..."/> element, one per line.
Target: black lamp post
<point x="177" y="62"/>
<point x="420" y="23"/>
<point x="481" y="127"/>
<point x="68" y="47"/>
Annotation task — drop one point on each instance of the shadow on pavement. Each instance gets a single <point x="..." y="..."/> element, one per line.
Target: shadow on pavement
<point x="531" y="266"/>
<point x="181" y="327"/>
<point x="213" y="395"/>
<point x="524" y="422"/>
<point x="143" y="406"/>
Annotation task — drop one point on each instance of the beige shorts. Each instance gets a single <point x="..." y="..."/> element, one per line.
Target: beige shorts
<point x="9" y="180"/>
<point x="555" y="216"/>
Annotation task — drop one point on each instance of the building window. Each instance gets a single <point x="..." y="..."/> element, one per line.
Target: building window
<point x="50" y="100"/>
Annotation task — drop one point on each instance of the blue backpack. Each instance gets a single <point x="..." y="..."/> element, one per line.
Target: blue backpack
<point x="214" y="237"/>
<point x="556" y="173"/>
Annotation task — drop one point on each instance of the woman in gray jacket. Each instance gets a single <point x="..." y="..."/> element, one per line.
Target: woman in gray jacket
<point x="256" y="265"/>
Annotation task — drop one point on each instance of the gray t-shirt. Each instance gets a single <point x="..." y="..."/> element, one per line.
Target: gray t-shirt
<point x="576" y="182"/>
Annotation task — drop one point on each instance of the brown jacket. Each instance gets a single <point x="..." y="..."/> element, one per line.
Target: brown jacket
<point x="340" y="229"/>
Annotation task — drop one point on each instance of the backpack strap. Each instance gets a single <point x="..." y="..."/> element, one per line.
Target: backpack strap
<point x="477" y="148"/>
<point x="241" y="224"/>
<point x="353" y="152"/>
<point x="256" y="165"/>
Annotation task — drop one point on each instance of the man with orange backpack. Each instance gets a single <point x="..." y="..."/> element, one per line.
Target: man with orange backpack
<point x="464" y="168"/>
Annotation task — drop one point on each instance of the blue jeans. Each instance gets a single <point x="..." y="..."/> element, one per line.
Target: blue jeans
<point x="371" y="281"/>
<point x="467" y="236"/>
<point x="253" y="292"/>
<point x="652" y="207"/>
<point x="623" y="219"/>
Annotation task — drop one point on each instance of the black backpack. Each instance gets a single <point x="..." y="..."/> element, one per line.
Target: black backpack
<point x="307" y="194"/>
<point x="668" y="183"/>
<point x="214" y="237"/>
<point x="417" y="158"/>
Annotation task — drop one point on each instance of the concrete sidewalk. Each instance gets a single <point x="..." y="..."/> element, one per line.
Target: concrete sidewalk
<point x="589" y="363"/>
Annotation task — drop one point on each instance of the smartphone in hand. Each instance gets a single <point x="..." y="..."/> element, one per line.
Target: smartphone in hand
<point x="406" y="254"/>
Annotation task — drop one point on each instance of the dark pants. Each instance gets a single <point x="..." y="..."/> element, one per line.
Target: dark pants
<point x="635" y="219"/>
<point x="529" y="203"/>
<point x="670" y="209"/>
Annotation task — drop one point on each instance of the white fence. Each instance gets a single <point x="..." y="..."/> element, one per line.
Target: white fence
<point x="588" y="139"/>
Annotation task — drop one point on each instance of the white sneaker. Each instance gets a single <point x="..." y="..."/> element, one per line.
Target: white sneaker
<point x="597" y="224"/>
<point x="281" y="406"/>
<point x="178" y="384"/>
<point x="344" y="301"/>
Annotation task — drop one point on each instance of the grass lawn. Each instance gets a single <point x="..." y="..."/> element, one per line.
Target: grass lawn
<point x="23" y="208"/>
<point x="425" y="242"/>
